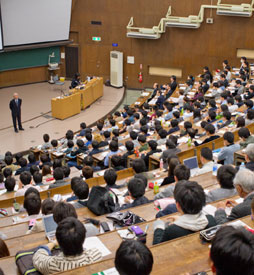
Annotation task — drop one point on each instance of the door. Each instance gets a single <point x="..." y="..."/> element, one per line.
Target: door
<point x="72" y="61"/>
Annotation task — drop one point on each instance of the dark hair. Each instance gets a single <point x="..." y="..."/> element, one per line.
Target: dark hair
<point x="110" y="176"/>
<point x="58" y="173"/>
<point x="88" y="161"/>
<point x="113" y="146"/>
<point x="206" y="153"/>
<point x="225" y="176"/>
<point x="89" y="137"/>
<point x="83" y="125"/>
<point x="240" y="122"/>
<point x="244" y="132"/>
<point x="176" y="114"/>
<point x="63" y="210"/>
<point x="47" y="206"/>
<point x="87" y="172"/>
<point x="250" y="114"/>
<point x="54" y="142"/>
<point x="9" y="184"/>
<point x="210" y="129"/>
<point x="46" y="138"/>
<point x="25" y="178"/>
<point x="229" y="137"/>
<point x="142" y="138"/>
<point x="46" y="170"/>
<point x="81" y="189"/>
<point x="7" y="172"/>
<point x="22" y="162"/>
<point x="212" y="103"/>
<point x="139" y="165"/>
<point x="4" y="251"/>
<point x="44" y="158"/>
<point x="129" y="145"/>
<point x="142" y="177"/>
<point x="95" y="144"/>
<point x="116" y="161"/>
<point x="227" y="115"/>
<point x="187" y="124"/>
<point x="8" y="160"/>
<point x="190" y="196"/>
<point x="32" y="204"/>
<point x="106" y="134"/>
<point x="249" y="103"/>
<point x="31" y="190"/>
<point x="238" y="98"/>
<point x="70" y="143"/>
<point x="163" y="133"/>
<point x="133" y="135"/>
<point x="80" y="143"/>
<point x="212" y="114"/>
<point x="133" y="258"/>
<point x="182" y="172"/>
<point x="136" y="187"/>
<point x="31" y="158"/>
<point x="144" y="129"/>
<point x="232" y="251"/>
<point x="70" y="235"/>
<point x="152" y="144"/>
<point x="66" y="171"/>
<point x="174" y="123"/>
<point x="37" y="177"/>
<point x="112" y="122"/>
<point x="172" y="163"/>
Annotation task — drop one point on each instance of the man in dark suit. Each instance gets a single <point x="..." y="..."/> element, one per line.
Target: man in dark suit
<point x="244" y="184"/>
<point x="15" y="106"/>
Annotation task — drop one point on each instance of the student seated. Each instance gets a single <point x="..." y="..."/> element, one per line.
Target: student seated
<point x="174" y="126"/>
<point x="153" y="149"/>
<point x="206" y="158"/>
<point x="187" y="125"/>
<point x="211" y="116"/>
<point x="106" y="139"/>
<point x="33" y="169"/>
<point x="232" y="251"/>
<point x="70" y="146"/>
<point x="9" y="184"/>
<point x="130" y="151"/>
<point x="81" y="149"/>
<point x="32" y="160"/>
<point x="245" y="137"/>
<point x="173" y="161"/>
<point x="133" y="258"/>
<point x="142" y="143"/>
<point x="225" y="177"/>
<point x="210" y="130"/>
<point x="23" y="166"/>
<point x="136" y="189"/>
<point x="227" y="153"/>
<point x="58" y="175"/>
<point x="9" y="164"/>
<point x="70" y="235"/>
<point x="95" y="146"/>
<point x="232" y="107"/>
<point x="25" y="182"/>
<point x="240" y="122"/>
<point x="244" y="184"/>
<point x="46" y="209"/>
<point x="32" y="205"/>
<point x="163" y="137"/>
<point x="37" y="178"/>
<point x="171" y="150"/>
<point x="46" y="145"/>
<point x="83" y="128"/>
<point x="181" y="172"/>
<point x="116" y="163"/>
<point x="249" y="157"/>
<point x="249" y="117"/>
<point x="45" y="160"/>
<point x="113" y="147"/>
<point x="110" y="177"/>
<point x="88" y="161"/>
<point x="139" y="167"/>
<point x="227" y="120"/>
<point x="87" y="172"/>
<point x="47" y="177"/>
<point x="190" y="199"/>
<point x="81" y="192"/>
<point x="7" y="173"/>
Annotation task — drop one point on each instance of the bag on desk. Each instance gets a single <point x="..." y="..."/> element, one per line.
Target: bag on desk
<point x="102" y="201"/>
<point x="125" y="218"/>
<point x="24" y="261"/>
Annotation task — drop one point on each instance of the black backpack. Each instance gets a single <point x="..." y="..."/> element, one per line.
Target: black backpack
<point x="102" y="201"/>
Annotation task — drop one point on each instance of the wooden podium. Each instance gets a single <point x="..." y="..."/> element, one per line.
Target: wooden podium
<point x="63" y="108"/>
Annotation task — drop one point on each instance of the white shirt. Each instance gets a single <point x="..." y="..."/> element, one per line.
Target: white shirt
<point x="208" y="167"/>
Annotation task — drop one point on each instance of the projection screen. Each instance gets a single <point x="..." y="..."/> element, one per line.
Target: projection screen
<point x="35" y="21"/>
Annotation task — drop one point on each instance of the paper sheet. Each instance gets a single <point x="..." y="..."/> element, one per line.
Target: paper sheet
<point x="95" y="242"/>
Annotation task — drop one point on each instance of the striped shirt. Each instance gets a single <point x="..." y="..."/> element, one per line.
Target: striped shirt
<point x="47" y="264"/>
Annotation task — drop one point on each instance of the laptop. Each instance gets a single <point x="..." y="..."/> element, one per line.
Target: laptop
<point x="50" y="227"/>
<point x="192" y="163"/>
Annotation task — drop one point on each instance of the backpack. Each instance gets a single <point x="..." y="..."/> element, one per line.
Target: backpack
<point x="101" y="201"/>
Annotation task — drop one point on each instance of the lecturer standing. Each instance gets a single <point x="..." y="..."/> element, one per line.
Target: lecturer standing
<point x="15" y="106"/>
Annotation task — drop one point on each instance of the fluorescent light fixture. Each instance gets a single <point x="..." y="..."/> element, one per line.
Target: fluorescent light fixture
<point x="182" y="25"/>
<point x="143" y="35"/>
<point x="234" y="13"/>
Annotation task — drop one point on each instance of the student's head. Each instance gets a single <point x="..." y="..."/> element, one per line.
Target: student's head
<point x="152" y="144"/>
<point x="212" y="114"/>
<point x="228" y="138"/>
<point x="172" y="163"/>
<point x="240" y="122"/>
<point x="133" y="135"/>
<point x="54" y="143"/>
<point x="181" y="172"/>
<point x="139" y="166"/>
<point x="46" y="138"/>
<point x="69" y="135"/>
<point x="46" y="170"/>
<point x="7" y="172"/>
<point x="47" y="206"/>
<point x="142" y="139"/>
<point x="129" y="145"/>
<point x="174" y="123"/>
<point x="81" y="188"/>
<point x="25" y="178"/>
<point x="110" y="176"/>
<point x="144" y="129"/>
<point x="112" y="122"/>
<point x="95" y="144"/>
<point x="142" y="177"/>
<point x="225" y="176"/>
<point x="136" y="188"/>
<point x="88" y="161"/>
<point x="106" y="134"/>
<point x="163" y="133"/>
<point x="70" y="235"/>
<point x="176" y="114"/>
<point x="32" y="204"/>
<point x="37" y="177"/>
<point x="116" y="161"/>
<point x="70" y="144"/>
<point x="18" y="156"/>
<point x="248" y="103"/>
<point x="57" y="163"/>
<point x="227" y="115"/>
<point x="187" y="125"/>
<point x="33" y="169"/>
<point x="31" y="158"/>
<point x="58" y="173"/>
<point x="190" y="197"/>
<point x="210" y="129"/>
<point x="22" y="162"/>
<point x="232" y="251"/>
<point x="67" y="171"/>
<point x="4" y="251"/>
<point x="99" y="125"/>
<point x="249" y="153"/>
<point x="44" y="158"/>
<point x="9" y="184"/>
<point x="82" y="125"/>
<point x="63" y="210"/>
<point x="238" y="98"/>
<point x="212" y="103"/>
<point x="244" y="182"/>
<point x="206" y="155"/>
<point x="87" y="172"/>
<point x="113" y="146"/>
<point x="8" y="160"/>
<point x="133" y="258"/>
<point x="89" y="137"/>
<point x="115" y="132"/>
<point x="244" y="133"/>
<point x="250" y="114"/>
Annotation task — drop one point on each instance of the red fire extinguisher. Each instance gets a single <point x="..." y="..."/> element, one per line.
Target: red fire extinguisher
<point x="140" y="77"/>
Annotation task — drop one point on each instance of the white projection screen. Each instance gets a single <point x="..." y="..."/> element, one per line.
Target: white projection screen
<point x="35" y="21"/>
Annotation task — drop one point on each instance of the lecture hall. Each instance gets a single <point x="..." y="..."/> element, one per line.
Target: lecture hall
<point x="126" y="137"/>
